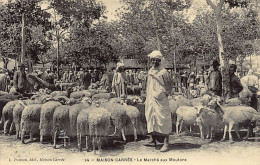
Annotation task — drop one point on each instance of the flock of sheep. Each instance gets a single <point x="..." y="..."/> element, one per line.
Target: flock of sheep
<point x="95" y="115"/>
<point x="91" y="114"/>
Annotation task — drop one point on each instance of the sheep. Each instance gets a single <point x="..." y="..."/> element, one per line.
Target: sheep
<point x="92" y="121"/>
<point x="200" y="101"/>
<point x="46" y="120"/>
<point x="3" y="102"/>
<point x="101" y="95"/>
<point x="61" y="121"/>
<point x="80" y="94"/>
<point x="30" y="120"/>
<point x="7" y="116"/>
<point x="62" y="93"/>
<point x="237" y="101"/>
<point x="209" y="119"/>
<point x="134" y="116"/>
<point x="17" y="114"/>
<point x="186" y="115"/>
<point x="73" y="114"/>
<point x="82" y="126"/>
<point x="99" y="125"/>
<point x="233" y="117"/>
<point x="118" y="115"/>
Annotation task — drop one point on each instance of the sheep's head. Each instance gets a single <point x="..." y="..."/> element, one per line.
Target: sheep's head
<point x="215" y="101"/>
<point x="46" y="99"/>
<point x="199" y="110"/>
<point x="206" y="99"/>
<point x="86" y="100"/>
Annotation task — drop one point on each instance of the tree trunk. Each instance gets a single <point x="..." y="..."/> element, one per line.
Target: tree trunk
<point x="223" y="61"/>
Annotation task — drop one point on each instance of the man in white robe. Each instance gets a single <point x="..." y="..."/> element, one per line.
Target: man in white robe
<point x="119" y="82"/>
<point x="157" y="111"/>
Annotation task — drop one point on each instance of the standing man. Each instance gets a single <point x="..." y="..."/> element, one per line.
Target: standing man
<point x="235" y="84"/>
<point x="119" y="83"/>
<point x="87" y="79"/>
<point x="20" y="79"/>
<point x="251" y="82"/>
<point x="214" y="80"/>
<point x="157" y="111"/>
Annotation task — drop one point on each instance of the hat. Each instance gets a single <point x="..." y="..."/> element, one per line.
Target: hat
<point x="155" y="54"/>
<point x="81" y="69"/>
<point x="120" y="64"/>
<point x="21" y="65"/>
<point x="215" y="62"/>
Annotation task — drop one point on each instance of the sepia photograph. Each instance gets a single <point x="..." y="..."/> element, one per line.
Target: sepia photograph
<point x="130" y="82"/>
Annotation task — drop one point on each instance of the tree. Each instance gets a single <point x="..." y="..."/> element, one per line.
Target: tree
<point x="218" y="8"/>
<point x="11" y="15"/>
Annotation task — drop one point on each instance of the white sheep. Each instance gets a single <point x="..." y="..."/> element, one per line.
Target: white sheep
<point x="46" y="120"/>
<point x="61" y="121"/>
<point x="208" y="119"/>
<point x="30" y="120"/>
<point x="7" y="115"/>
<point x="118" y="115"/>
<point x="17" y="114"/>
<point x="186" y="115"/>
<point x="233" y="117"/>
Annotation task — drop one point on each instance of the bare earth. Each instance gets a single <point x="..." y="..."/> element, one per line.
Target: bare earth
<point x="184" y="149"/>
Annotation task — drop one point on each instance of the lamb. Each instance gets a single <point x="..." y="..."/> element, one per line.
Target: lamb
<point x="61" y="121"/>
<point x="73" y="114"/>
<point x="118" y="115"/>
<point x="186" y="115"/>
<point x="17" y="114"/>
<point x="234" y="116"/>
<point x="46" y="120"/>
<point x="209" y="119"/>
<point x="7" y="116"/>
<point x="30" y="120"/>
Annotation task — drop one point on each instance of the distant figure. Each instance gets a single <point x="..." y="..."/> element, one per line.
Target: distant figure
<point x="119" y="83"/>
<point x="106" y="81"/>
<point x="87" y="80"/>
<point x="235" y="84"/>
<point x="251" y="82"/>
<point x="81" y="76"/>
<point x="214" y="81"/>
<point x="20" y="80"/>
<point x="3" y="80"/>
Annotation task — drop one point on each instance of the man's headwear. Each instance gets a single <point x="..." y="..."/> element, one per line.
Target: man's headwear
<point x="21" y="65"/>
<point x="120" y="64"/>
<point x="155" y="54"/>
<point x="216" y="63"/>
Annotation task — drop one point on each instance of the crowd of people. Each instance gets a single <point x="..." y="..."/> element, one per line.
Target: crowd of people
<point x="157" y="83"/>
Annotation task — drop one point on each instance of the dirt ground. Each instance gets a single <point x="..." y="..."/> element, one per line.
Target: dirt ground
<point x="184" y="149"/>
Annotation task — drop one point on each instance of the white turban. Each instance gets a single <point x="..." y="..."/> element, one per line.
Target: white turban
<point x="120" y="64"/>
<point x="155" y="54"/>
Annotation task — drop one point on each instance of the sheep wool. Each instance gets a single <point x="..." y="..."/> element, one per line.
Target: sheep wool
<point x="101" y="96"/>
<point x="73" y="114"/>
<point x="7" y="114"/>
<point x="46" y="120"/>
<point x="30" y="120"/>
<point x="99" y="121"/>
